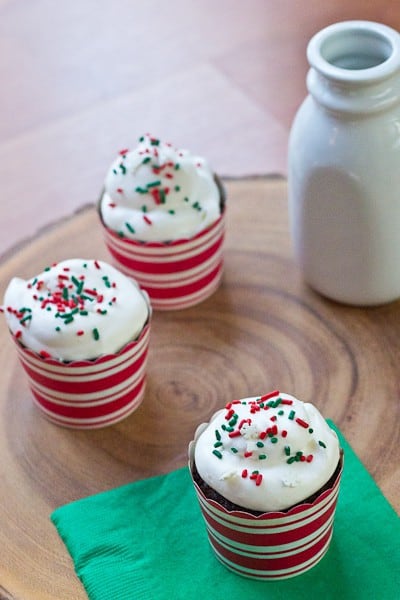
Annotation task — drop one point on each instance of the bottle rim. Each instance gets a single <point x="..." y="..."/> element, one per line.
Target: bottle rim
<point x="355" y="51"/>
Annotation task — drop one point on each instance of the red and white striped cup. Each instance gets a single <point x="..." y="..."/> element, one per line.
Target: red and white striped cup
<point x="89" y="394"/>
<point x="274" y="545"/>
<point x="176" y="274"/>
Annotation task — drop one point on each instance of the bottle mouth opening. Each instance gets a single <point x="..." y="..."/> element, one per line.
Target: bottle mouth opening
<point x="356" y="49"/>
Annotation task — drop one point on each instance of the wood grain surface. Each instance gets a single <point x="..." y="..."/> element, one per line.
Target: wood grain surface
<point x="262" y="329"/>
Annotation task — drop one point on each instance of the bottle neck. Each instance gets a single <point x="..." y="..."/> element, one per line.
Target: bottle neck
<point x="355" y="67"/>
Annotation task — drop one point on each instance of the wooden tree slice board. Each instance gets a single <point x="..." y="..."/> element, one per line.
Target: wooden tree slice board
<point x="263" y="329"/>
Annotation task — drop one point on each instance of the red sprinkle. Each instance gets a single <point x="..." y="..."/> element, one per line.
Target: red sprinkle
<point x="229" y="414"/>
<point x="124" y="151"/>
<point x="233" y="434"/>
<point x="44" y="354"/>
<point x="301" y="423"/>
<point x="244" y="473"/>
<point x="80" y="332"/>
<point x="147" y="220"/>
<point x="270" y="395"/>
<point x="96" y="264"/>
<point x="309" y="458"/>
<point x="259" y="479"/>
<point x="247" y="454"/>
<point x="284" y="433"/>
<point x="288" y="402"/>
<point x="120" y="190"/>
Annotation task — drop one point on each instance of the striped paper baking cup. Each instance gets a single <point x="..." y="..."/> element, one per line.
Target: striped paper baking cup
<point x="89" y="394"/>
<point x="176" y="274"/>
<point x="273" y="545"/>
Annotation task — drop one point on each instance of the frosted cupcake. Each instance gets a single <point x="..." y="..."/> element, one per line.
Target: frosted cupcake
<point x="81" y="329"/>
<point x="266" y="471"/>
<point x="163" y="213"/>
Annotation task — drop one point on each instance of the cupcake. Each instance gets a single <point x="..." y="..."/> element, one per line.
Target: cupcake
<point x="82" y="331"/>
<point x="266" y="471"/>
<point x="163" y="214"/>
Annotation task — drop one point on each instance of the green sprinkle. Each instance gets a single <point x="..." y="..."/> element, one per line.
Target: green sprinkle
<point x="287" y="450"/>
<point x="154" y="184"/>
<point x="115" y="171"/>
<point x="291" y="415"/>
<point x="140" y="190"/>
<point x="102" y="312"/>
<point x="274" y="403"/>
<point x="58" y="328"/>
<point x="234" y="450"/>
<point x="84" y="297"/>
<point x="154" y="142"/>
<point x="177" y="188"/>
<point x="123" y="168"/>
<point x="144" y="208"/>
<point x="68" y="320"/>
<point x="262" y="456"/>
<point x="171" y="212"/>
<point x="65" y="293"/>
<point x="260" y="445"/>
<point x="322" y="444"/>
<point x="121" y="234"/>
<point x="48" y="308"/>
<point x="95" y="333"/>
<point x="84" y="313"/>
<point x="311" y="430"/>
<point x="281" y="412"/>
<point x="291" y="460"/>
<point x="141" y="139"/>
<point x="217" y="453"/>
<point x="218" y="444"/>
<point x="129" y="227"/>
<point x="177" y="166"/>
<point x="274" y="440"/>
<point x="186" y="199"/>
<point x="146" y="160"/>
<point x="47" y="268"/>
<point x="26" y="318"/>
<point x="217" y="434"/>
<point x="106" y="281"/>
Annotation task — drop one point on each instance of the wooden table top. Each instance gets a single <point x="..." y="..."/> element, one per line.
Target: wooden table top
<point x="263" y="329"/>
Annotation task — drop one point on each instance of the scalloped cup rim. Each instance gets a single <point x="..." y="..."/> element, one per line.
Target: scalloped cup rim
<point x="85" y="362"/>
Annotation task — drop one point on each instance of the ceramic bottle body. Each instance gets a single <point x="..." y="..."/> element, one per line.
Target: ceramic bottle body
<point x="344" y="165"/>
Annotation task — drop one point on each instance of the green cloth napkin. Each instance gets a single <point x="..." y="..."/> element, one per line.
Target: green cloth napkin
<point x="147" y="540"/>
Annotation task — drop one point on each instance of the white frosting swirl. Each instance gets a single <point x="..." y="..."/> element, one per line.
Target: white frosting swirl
<point x="76" y="310"/>
<point x="266" y="454"/>
<point x="157" y="193"/>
